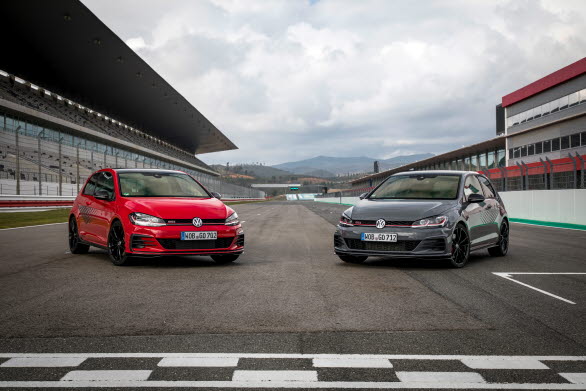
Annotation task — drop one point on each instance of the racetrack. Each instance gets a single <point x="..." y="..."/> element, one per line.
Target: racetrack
<point x="289" y="293"/>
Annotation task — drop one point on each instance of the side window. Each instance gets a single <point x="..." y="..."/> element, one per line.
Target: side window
<point x="487" y="188"/>
<point x="105" y="181"/>
<point x="91" y="185"/>
<point x="472" y="186"/>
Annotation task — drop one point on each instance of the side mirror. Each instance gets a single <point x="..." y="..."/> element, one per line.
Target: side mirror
<point x="216" y="195"/>
<point x="475" y="198"/>
<point x="102" y="195"/>
<point x="362" y="196"/>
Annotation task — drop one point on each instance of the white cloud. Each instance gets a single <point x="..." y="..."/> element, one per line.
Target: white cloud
<point x="291" y="79"/>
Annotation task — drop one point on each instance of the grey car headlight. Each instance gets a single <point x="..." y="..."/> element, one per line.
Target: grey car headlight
<point x="431" y="222"/>
<point x="232" y="219"/>
<point x="146" y="220"/>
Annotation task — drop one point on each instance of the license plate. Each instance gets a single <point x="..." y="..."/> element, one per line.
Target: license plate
<point x="378" y="237"/>
<point x="199" y="235"/>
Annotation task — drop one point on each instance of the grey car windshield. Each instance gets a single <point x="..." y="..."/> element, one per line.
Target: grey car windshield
<point x="429" y="187"/>
<point x="154" y="184"/>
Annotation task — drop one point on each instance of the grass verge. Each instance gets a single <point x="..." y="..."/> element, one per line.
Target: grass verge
<point x="23" y="219"/>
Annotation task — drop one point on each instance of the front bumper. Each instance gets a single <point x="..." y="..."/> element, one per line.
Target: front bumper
<point x="166" y="240"/>
<point x="411" y="242"/>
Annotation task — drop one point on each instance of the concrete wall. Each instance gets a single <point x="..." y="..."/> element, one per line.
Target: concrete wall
<point x="553" y="206"/>
<point x="559" y="206"/>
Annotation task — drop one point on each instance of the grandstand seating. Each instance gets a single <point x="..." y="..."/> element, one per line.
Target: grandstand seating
<point x="62" y="108"/>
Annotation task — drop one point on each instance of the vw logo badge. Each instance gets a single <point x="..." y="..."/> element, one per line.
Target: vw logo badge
<point x="380" y="223"/>
<point x="197" y="222"/>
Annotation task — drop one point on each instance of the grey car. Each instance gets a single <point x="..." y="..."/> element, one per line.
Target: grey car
<point x="425" y="214"/>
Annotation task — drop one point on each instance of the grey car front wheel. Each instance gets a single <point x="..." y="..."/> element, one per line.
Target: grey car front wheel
<point x="460" y="246"/>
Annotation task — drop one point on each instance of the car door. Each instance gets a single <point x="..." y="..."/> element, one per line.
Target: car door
<point x="492" y="213"/>
<point x="84" y="205"/>
<point x="102" y="210"/>
<point x="473" y="211"/>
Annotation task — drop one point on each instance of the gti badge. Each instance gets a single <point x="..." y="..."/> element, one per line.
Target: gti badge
<point x="197" y="222"/>
<point x="380" y="223"/>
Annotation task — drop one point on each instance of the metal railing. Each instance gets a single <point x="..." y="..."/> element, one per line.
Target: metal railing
<point x="565" y="173"/>
<point x="35" y="165"/>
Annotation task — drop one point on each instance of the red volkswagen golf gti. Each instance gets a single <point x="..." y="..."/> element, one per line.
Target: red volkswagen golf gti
<point x="146" y="212"/>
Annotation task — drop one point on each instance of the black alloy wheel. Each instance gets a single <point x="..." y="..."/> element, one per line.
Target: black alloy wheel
<point x="75" y="245"/>
<point x="225" y="258"/>
<point x="117" y="245"/>
<point x="503" y="246"/>
<point x="460" y="246"/>
<point x="352" y="258"/>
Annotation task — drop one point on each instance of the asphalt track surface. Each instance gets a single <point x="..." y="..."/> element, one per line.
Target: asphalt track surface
<point x="288" y="294"/>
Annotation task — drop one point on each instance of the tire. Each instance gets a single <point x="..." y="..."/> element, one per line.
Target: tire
<point x="352" y="258"/>
<point x="75" y="245"/>
<point x="460" y="246"/>
<point x="222" y="259"/>
<point x="117" y="244"/>
<point x="503" y="246"/>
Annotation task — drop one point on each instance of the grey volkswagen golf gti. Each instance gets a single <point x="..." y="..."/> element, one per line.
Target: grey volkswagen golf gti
<point x="425" y="214"/>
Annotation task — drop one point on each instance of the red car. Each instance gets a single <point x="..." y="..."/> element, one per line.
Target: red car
<point x="143" y="212"/>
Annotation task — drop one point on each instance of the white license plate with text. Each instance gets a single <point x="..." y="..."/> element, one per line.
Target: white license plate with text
<point x="367" y="237"/>
<point x="199" y="235"/>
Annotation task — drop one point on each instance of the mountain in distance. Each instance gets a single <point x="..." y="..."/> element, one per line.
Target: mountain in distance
<point x="326" y="165"/>
<point x="254" y="170"/>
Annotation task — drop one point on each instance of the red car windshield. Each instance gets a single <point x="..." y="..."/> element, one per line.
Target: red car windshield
<point x="159" y="184"/>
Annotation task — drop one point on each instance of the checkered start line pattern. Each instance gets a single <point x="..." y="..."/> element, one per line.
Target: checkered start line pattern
<point x="274" y="370"/>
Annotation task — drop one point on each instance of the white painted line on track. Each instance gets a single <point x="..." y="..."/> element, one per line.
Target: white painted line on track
<point x="107" y="375"/>
<point x="576" y="378"/>
<point x="507" y="275"/>
<point x="31" y="226"/>
<point x="291" y="355"/>
<point x="290" y="384"/>
<point x="440" y="377"/>
<point x="351" y="363"/>
<point x="274" y="376"/>
<point x="503" y="363"/>
<point x="42" y="362"/>
<point x="199" y="362"/>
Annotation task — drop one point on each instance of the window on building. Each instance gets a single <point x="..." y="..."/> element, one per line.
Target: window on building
<point x="538" y="148"/>
<point x="523" y="118"/>
<point x="474" y="162"/>
<point x="490" y="160"/>
<point x="554" y="106"/>
<point x="583" y="138"/>
<point x="517" y="152"/>
<point x="565" y="142"/>
<point x="529" y="114"/>
<point x="575" y="140"/>
<point x="555" y="144"/>
<point x="530" y="150"/>
<point x="583" y="96"/>
<point x="574" y="99"/>
<point x="537" y="112"/>
<point x="500" y="158"/>
<point x="545" y="109"/>
<point x="564" y="102"/>
<point x="523" y="151"/>
<point x="547" y="146"/>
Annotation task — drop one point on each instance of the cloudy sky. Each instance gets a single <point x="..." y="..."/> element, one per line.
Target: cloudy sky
<point x="293" y="79"/>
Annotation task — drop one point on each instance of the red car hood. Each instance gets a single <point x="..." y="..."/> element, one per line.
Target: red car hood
<point x="178" y="208"/>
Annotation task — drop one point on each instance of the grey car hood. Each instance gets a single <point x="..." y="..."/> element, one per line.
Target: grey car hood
<point x="410" y="210"/>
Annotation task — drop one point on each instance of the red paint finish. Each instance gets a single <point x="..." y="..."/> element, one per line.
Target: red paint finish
<point x="558" y="77"/>
<point x="94" y="218"/>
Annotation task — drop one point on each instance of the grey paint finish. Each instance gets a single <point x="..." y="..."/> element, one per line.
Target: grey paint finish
<point x="573" y="85"/>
